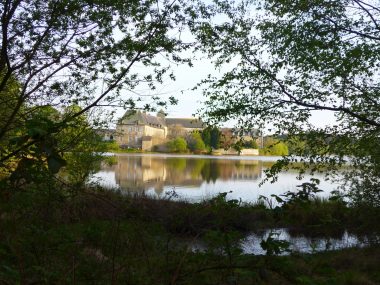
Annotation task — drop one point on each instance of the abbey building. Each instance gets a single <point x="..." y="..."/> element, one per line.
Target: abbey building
<point x="137" y="129"/>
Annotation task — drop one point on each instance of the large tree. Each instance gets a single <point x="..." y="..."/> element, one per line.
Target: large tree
<point x="293" y="58"/>
<point x="83" y="52"/>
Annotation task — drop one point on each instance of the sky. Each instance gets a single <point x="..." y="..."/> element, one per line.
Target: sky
<point x="190" y="101"/>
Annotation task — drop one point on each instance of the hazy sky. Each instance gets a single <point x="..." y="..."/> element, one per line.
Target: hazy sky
<point x="189" y="101"/>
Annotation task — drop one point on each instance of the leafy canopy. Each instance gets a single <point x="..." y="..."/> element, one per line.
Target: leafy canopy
<point x="289" y="59"/>
<point x="177" y="145"/>
<point x="82" y="52"/>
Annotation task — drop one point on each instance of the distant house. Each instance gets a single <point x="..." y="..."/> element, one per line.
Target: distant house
<point x="138" y="129"/>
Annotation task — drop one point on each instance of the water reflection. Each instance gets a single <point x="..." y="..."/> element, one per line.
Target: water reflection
<point x="198" y="177"/>
<point x="297" y="243"/>
<point x="306" y="244"/>
<point x="145" y="172"/>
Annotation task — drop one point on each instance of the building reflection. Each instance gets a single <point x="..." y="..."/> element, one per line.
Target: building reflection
<point x="140" y="173"/>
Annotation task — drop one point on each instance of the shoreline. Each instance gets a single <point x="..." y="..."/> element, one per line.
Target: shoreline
<point x="206" y="156"/>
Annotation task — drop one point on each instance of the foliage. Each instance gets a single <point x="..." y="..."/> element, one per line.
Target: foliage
<point x="106" y="237"/>
<point x="8" y="98"/>
<point x="111" y="146"/>
<point x="80" y="165"/>
<point x="58" y="53"/>
<point x="177" y="145"/>
<point x="211" y="137"/>
<point x="305" y="194"/>
<point x="288" y="60"/>
<point x="226" y="140"/>
<point x="195" y="142"/>
<point x="42" y="152"/>
<point x="274" y="147"/>
<point x="274" y="245"/>
<point x="206" y="136"/>
<point x="238" y="146"/>
<point x="110" y="160"/>
<point x="250" y="144"/>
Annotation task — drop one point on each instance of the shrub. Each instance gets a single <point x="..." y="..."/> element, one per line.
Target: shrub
<point x="177" y="145"/>
<point x="195" y="142"/>
<point x="250" y="144"/>
<point x="274" y="147"/>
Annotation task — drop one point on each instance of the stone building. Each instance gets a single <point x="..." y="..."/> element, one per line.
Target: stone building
<point x="137" y="129"/>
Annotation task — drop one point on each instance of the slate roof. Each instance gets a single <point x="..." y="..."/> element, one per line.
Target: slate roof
<point x="133" y="117"/>
<point x="149" y="119"/>
<point x="185" y="123"/>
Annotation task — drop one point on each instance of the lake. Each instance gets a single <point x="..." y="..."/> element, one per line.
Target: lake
<point x="198" y="177"/>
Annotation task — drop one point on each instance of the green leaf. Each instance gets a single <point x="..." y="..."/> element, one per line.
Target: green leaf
<point x="55" y="163"/>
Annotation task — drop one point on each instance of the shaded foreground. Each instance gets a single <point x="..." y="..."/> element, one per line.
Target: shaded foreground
<point x="93" y="236"/>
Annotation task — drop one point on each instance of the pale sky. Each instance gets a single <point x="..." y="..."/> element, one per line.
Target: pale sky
<point x="190" y="101"/>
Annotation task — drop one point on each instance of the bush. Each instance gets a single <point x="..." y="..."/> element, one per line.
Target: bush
<point x="250" y="144"/>
<point x="111" y="146"/>
<point x="195" y="142"/>
<point x="274" y="147"/>
<point x="177" y="145"/>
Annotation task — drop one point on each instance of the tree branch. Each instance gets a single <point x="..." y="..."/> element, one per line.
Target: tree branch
<point x="296" y="101"/>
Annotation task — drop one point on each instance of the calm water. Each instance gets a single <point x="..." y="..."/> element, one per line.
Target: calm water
<point x="195" y="178"/>
<point x="298" y="243"/>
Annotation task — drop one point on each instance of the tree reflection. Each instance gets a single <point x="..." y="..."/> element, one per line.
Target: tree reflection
<point x="145" y="172"/>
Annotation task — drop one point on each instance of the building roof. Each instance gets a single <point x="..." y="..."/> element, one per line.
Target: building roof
<point x="185" y="122"/>
<point x="142" y="118"/>
<point x="138" y="117"/>
<point x="149" y="119"/>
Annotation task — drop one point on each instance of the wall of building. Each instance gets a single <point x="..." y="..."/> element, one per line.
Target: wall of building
<point x="129" y="135"/>
<point x="146" y="145"/>
<point x="154" y="132"/>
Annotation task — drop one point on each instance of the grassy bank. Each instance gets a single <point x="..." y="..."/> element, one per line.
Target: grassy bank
<point x="54" y="235"/>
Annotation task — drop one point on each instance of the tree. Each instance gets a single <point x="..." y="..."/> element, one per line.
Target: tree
<point x="177" y="145"/>
<point x="250" y="144"/>
<point x="215" y="135"/>
<point x="211" y="136"/>
<point x="206" y="136"/>
<point x="195" y="142"/>
<point x="227" y="139"/>
<point x="274" y="146"/>
<point x="82" y="52"/>
<point x="8" y="98"/>
<point x="296" y="58"/>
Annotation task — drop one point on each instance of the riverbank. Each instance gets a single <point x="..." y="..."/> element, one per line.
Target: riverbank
<point x="113" y="147"/>
<point x="96" y="236"/>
